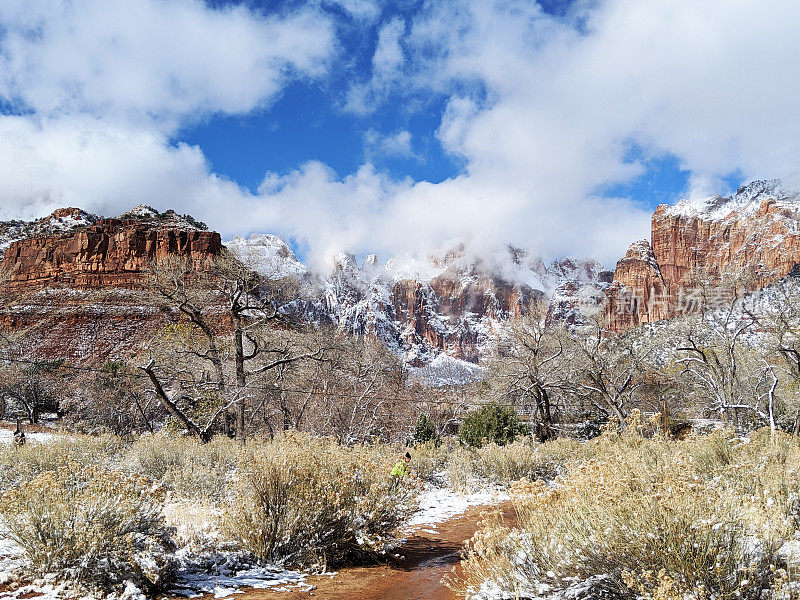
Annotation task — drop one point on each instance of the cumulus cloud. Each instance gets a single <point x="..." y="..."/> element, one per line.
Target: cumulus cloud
<point x="387" y="63"/>
<point x="395" y="145"/>
<point x="152" y="59"/>
<point x="102" y="166"/>
<point x="546" y="111"/>
<point x="366" y="10"/>
<point x="543" y="112"/>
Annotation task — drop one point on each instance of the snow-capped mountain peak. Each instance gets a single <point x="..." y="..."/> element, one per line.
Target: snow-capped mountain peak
<point x="267" y="254"/>
<point x="745" y="202"/>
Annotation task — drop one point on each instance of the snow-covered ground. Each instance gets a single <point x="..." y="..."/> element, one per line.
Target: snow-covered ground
<point x="226" y="574"/>
<point x="437" y="505"/>
<point x="7" y="436"/>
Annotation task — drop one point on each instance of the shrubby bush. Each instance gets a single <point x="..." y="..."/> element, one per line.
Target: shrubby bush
<point x="190" y="469"/>
<point x="430" y="459"/>
<point x="701" y="518"/>
<point x="311" y="502"/>
<point x="85" y="523"/>
<point x="503" y="465"/>
<point x="491" y="424"/>
<point x="33" y="459"/>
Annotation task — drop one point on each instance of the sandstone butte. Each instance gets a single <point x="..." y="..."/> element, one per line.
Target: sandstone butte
<point x="655" y="280"/>
<point x="109" y="252"/>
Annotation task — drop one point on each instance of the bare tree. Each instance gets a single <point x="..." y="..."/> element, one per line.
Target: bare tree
<point x="252" y="304"/>
<point x="610" y="370"/>
<point x="716" y="358"/>
<point x="778" y="314"/>
<point x="33" y="388"/>
<point x="529" y="368"/>
<point x="363" y="394"/>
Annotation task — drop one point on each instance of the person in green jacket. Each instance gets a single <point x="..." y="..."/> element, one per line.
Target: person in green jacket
<point x="401" y="470"/>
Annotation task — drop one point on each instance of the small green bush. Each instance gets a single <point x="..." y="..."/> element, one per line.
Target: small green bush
<point x="425" y="431"/>
<point x="491" y="424"/>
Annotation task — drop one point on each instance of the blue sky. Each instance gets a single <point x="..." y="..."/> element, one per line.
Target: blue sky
<point x="396" y="127"/>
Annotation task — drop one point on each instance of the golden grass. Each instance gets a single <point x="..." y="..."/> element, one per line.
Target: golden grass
<point x="700" y="518"/>
<point x="92" y="525"/>
<point x="309" y="501"/>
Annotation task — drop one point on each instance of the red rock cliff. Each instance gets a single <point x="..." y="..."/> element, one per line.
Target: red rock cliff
<point x="756" y="232"/>
<point x="109" y="252"/>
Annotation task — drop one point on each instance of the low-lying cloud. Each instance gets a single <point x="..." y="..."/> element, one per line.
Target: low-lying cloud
<point x="544" y="113"/>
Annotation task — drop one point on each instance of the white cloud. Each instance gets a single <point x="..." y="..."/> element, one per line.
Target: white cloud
<point x="366" y="10"/>
<point x="387" y="64"/>
<point x="102" y="166"/>
<point x="396" y="145"/>
<point x="543" y="112"/>
<point x="153" y="59"/>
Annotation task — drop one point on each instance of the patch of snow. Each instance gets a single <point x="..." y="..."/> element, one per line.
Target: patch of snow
<point x="437" y="505"/>
<point x="446" y="370"/>
<point x="142" y="211"/>
<point x="746" y="201"/>
<point x="7" y="436"/>
<point x="223" y="574"/>
<point x="269" y="255"/>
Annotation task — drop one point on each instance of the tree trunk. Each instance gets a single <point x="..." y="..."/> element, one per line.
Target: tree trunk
<point x="172" y="408"/>
<point x="241" y="378"/>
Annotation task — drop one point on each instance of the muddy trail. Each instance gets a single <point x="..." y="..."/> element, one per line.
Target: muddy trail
<point x="430" y="553"/>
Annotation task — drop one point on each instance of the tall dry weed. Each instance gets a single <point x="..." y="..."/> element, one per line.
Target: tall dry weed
<point x="85" y="523"/>
<point x="309" y="501"/>
<point x="695" y="519"/>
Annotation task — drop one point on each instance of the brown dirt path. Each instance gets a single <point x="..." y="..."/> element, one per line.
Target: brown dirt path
<point x="417" y="575"/>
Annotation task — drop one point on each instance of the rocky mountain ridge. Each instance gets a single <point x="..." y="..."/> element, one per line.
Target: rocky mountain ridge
<point x="753" y="234"/>
<point x="452" y="303"/>
<point x="449" y="306"/>
<point x="80" y="250"/>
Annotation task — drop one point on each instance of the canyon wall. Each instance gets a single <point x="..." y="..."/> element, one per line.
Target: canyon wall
<point x="753" y="236"/>
<point x="111" y="252"/>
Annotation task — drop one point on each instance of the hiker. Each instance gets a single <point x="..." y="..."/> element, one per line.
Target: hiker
<point x="400" y="470"/>
<point x="19" y="435"/>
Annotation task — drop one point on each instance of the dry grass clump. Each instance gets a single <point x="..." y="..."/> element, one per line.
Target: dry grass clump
<point x="431" y="458"/>
<point x="503" y="465"/>
<point x="309" y="501"/>
<point x="24" y="464"/>
<point x="85" y="523"/>
<point x="187" y="468"/>
<point x="695" y="519"/>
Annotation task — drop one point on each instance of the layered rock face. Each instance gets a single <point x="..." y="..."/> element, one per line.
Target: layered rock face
<point x="104" y="252"/>
<point x="754" y="234"/>
<point x="450" y="305"/>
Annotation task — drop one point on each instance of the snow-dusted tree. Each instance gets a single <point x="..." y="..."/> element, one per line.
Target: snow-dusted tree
<point x="363" y="393"/>
<point x="727" y="371"/>
<point x="777" y="310"/>
<point x="609" y="370"/>
<point x="237" y="311"/>
<point x="32" y="388"/>
<point x="531" y="369"/>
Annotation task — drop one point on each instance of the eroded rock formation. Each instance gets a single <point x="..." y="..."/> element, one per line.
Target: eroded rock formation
<point x="754" y="235"/>
<point x="107" y="252"/>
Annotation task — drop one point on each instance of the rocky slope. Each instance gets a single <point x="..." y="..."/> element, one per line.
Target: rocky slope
<point x="83" y="251"/>
<point x="443" y="310"/>
<point x="451" y="304"/>
<point x="74" y="282"/>
<point x="75" y="286"/>
<point x="754" y="234"/>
